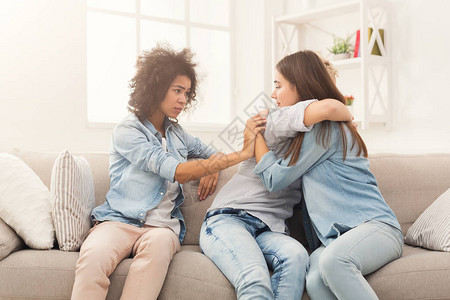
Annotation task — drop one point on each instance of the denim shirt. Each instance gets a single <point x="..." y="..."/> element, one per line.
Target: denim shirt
<point x="339" y="195"/>
<point x="139" y="169"/>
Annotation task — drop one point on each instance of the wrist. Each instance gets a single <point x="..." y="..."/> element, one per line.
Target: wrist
<point x="244" y="154"/>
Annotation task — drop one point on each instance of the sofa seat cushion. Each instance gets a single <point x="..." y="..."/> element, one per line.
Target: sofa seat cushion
<point x="192" y="275"/>
<point x="50" y="274"/>
<point x="418" y="274"/>
<point x="35" y="274"/>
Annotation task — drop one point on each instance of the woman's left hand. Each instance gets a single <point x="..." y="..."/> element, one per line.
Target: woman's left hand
<point x="207" y="185"/>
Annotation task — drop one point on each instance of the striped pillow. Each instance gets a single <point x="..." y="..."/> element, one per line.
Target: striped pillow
<point x="431" y="230"/>
<point x="72" y="191"/>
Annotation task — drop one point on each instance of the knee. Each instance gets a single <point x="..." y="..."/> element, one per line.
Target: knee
<point x="253" y="279"/>
<point x="295" y="257"/>
<point x="314" y="282"/>
<point x="96" y="258"/>
<point x="300" y="257"/>
<point x="329" y="263"/>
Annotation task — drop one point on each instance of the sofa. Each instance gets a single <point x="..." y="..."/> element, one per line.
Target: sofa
<point x="409" y="183"/>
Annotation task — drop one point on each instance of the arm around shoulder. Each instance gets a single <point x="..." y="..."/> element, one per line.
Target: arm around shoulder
<point x="326" y="109"/>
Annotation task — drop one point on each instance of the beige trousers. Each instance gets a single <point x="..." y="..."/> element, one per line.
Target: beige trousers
<point x="107" y="244"/>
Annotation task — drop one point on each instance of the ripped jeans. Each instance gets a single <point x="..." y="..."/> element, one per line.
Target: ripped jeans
<point x="244" y="249"/>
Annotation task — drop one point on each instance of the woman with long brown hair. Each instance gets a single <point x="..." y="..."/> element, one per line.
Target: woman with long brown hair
<point x="244" y="212"/>
<point x="358" y="231"/>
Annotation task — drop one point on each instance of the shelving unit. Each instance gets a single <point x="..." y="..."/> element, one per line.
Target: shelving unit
<point x="372" y="90"/>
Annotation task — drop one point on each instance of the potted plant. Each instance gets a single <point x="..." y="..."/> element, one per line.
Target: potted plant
<point x="349" y="100"/>
<point x="341" y="48"/>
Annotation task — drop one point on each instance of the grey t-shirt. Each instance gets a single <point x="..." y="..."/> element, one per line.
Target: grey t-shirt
<point x="161" y="215"/>
<point x="245" y="189"/>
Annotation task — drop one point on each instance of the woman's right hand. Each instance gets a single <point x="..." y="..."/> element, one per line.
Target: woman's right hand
<point x="253" y="127"/>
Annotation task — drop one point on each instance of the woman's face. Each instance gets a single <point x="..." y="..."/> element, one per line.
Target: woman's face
<point x="176" y="96"/>
<point x="285" y="94"/>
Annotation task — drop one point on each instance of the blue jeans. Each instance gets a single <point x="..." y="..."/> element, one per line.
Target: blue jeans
<point x="244" y="248"/>
<point x="336" y="271"/>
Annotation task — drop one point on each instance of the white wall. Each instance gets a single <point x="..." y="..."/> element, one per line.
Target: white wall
<point x="43" y="74"/>
<point x="421" y="76"/>
<point x="43" y="78"/>
<point x="421" y="72"/>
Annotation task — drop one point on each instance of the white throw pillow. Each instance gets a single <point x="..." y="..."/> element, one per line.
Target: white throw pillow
<point x="72" y="190"/>
<point x="25" y="203"/>
<point x="431" y="230"/>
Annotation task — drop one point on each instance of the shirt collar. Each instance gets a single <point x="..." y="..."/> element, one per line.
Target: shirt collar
<point x="149" y="125"/>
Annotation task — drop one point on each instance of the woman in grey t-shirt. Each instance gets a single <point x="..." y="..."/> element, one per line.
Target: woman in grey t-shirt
<point x="244" y="231"/>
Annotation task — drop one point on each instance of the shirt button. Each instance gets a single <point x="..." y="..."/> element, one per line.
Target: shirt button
<point x="161" y="193"/>
<point x="141" y="215"/>
<point x="142" y="221"/>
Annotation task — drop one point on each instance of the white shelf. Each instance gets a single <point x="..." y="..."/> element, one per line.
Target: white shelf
<point x="356" y="61"/>
<point x="317" y="14"/>
<point x="374" y="103"/>
<point x="349" y="62"/>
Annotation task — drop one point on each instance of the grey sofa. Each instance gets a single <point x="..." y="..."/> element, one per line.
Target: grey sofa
<point x="409" y="183"/>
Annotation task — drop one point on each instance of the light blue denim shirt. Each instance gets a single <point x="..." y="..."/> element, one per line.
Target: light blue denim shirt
<point x="139" y="169"/>
<point x="339" y="195"/>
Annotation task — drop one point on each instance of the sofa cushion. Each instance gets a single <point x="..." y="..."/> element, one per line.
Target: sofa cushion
<point x="42" y="163"/>
<point x="72" y="190"/>
<point x="432" y="229"/>
<point x="38" y="274"/>
<point x="192" y="275"/>
<point x="48" y="274"/>
<point x="418" y="274"/>
<point x="25" y="203"/>
<point x="410" y="183"/>
<point x="9" y="240"/>
<point x="51" y="273"/>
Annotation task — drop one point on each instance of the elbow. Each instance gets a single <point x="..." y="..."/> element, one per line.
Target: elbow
<point x="337" y="111"/>
<point x="331" y="108"/>
<point x="270" y="189"/>
<point x="271" y="186"/>
<point x="273" y="189"/>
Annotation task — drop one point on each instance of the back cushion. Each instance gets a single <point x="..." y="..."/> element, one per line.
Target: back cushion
<point x="410" y="183"/>
<point x="42" y="163"/>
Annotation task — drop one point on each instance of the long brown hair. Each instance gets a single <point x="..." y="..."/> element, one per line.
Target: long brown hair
<point x="156" y="70"/>
<point x="306" y="71"/>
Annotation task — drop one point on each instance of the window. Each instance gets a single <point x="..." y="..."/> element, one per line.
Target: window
<point x="118" y="30"/>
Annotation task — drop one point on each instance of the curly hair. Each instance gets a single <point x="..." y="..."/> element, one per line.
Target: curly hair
<point x="156" y="70"/>
<point x="330" y="68"/>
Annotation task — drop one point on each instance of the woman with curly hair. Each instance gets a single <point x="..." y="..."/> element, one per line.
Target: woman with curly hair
<point x="148" y="165"/>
